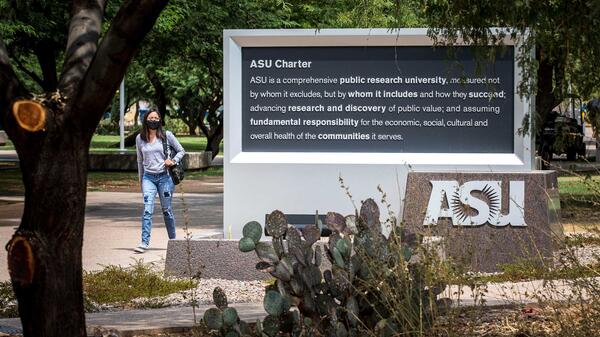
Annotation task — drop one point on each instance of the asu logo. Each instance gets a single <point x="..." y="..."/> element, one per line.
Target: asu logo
<point x="476" y="203"/>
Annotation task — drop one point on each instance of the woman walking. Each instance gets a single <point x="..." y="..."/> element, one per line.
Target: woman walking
<point x="154" y="174"/>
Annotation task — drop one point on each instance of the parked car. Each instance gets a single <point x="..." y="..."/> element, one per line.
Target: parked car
<point x="563" y="133"/>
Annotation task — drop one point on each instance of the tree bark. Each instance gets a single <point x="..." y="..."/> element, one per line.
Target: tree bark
<point x="52" y="223"/>
<point x="214" y="135"/>
<point x="214" y="141"/>
<point x="29" y="73"/>
<point x="47" y="60"/>
<point x="84" y="32"/>
<point x="129" y="140"/>
<point x="189" y="117"/>
<point x="545" y="100"/>
<point x="44" y="255"/>
<point x="10" y="88"/>
<point x="160" y="95"/>
<point x="106" y="70"/>
<point x="191" y="127"/>
<point x="136" y="117"/>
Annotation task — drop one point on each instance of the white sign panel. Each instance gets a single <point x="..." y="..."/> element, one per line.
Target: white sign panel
<point x="305" y="107"/>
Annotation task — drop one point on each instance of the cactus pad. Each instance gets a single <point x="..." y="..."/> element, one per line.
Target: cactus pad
<point x="253" y="230"/>
<point x="232" y="333"/>
<point x="270" y="326"/>
<point x="277" y="224"/>
<point x="312" y="275"/>
<point x="351" y="224"/>
<point x="311" y="234"/>
<point x="265" y="267"/>
<point x="318" y="256"/>
<point x="344" y="247"/>
<point x="247" y="244"/>
<point x="369" y="215"/>
<point x="266" y="252"/>
<point x="338" y="258"/>
<point x="281" y="272"/>
<point x="220" y="298"/>
<point x="213" y="319"/>
<point x="273" y="303"/>
<point x="335" y="222"/>
<point x="352" y="310"/>
<point x="293" y="237"/>
<point x="230" y="316"/>
<point x="340" y="330"/>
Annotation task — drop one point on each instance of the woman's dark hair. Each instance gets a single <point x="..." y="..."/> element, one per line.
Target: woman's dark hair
<point x="145" y="133"/>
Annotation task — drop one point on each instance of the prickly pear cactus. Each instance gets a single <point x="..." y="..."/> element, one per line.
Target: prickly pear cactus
<point x="307" y="301"/>
<point x="224" y="320"/>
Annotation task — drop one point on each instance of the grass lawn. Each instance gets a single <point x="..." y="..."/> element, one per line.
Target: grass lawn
<point x="10" y="180"/>
<point x="8" y="146"/>
<point x="581" y="186"/>
<point x="189" y="143"/>
<point x="580" y="203"/>
<point x="105" y="143"/>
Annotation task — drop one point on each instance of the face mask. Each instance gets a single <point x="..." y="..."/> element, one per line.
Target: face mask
<point x="153" y="124"/>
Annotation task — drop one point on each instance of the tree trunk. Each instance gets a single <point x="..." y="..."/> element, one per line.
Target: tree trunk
<point x="137" y="114"/>
<point x="129" y="140"/>
<point x="47" y="59"/>
<point x="191" y="130"/>
<point x="214" y="140"/>
<point x="160" y="96"/>
<point x="191" y="124"/>
<point x="598" y="149"/>
<point x="544" y="99"/>
<point x="45" y="252"/>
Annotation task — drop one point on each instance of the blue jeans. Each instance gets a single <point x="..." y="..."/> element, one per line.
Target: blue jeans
<point x="162" y="184"/>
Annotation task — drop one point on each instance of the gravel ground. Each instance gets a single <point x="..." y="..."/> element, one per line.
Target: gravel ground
<point x="253" y="291"/>
<point x="584" y="254"/>
<point x="237" y="292"/>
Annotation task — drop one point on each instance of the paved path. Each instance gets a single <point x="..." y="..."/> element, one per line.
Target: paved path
<point x="113" y="226"/>
<point x="129" y="322"/>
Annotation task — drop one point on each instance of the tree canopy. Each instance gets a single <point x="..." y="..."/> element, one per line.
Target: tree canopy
<point x="560" y="41"/>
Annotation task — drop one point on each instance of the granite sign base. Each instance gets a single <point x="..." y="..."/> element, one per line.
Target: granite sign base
<point x="215" y="259"/>
<point x="487" y="219"/>
<point x="212" y="258"/>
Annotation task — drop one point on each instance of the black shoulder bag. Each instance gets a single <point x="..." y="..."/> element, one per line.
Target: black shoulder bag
<point x="176" y="171"/>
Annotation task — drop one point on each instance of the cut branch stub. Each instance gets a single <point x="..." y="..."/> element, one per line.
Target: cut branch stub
<point x="30" y="115"/>
<point x="21" y="262"/>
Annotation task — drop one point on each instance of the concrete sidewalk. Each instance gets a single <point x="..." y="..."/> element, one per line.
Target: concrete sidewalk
<point x="138" y="322"/>
<point x="113" y="226"/>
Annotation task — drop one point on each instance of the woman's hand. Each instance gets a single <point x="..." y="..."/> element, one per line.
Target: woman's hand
<point x="169" y="163"/>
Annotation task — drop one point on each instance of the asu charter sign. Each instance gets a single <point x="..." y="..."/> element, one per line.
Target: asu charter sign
<point x="384" y="108"/>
